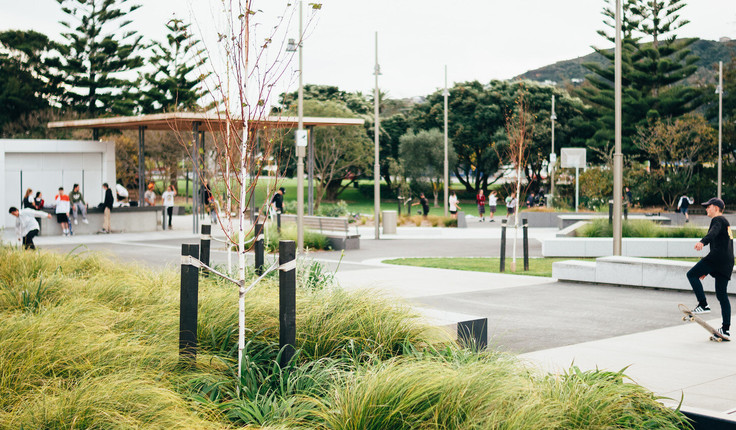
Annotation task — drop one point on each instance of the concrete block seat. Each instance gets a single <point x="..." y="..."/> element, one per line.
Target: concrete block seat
<point x="122" y="220"/>
<point x="630" y="271"/>
<point x="337" y="230"/>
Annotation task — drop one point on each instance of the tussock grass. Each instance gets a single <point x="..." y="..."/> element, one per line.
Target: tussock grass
<point x="96" y="347"/>
<point x="639" y="228"/>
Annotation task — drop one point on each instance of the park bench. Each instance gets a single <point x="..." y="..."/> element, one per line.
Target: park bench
<point x="337" y="230"/>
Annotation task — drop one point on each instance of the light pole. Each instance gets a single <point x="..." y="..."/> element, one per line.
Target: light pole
<point x="301" y="143"/>
<point x="376" y="166"/>
<point x="719" y="90"/>
<point x="552" y="157"/>
<point x="446" y="176"/>
<point x="617" y="156"/>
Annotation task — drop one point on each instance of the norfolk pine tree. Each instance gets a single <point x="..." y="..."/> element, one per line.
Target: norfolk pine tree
<point x="97" y="49"/>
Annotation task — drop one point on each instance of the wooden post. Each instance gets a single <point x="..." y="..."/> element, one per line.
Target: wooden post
<point x="259" y="248"/>
<point x="502" y="267"/>
<point x="204" y="246"/>
<point x="188" y="305"/>
<point x="287" y="299"/>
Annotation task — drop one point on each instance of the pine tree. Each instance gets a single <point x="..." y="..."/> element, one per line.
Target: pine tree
<point x="651" y="71"/>
<point x="175" y="83"/>
<point x="97" y="50"/>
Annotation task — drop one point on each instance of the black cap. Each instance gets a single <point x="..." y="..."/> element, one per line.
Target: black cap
<point x="282" y="189"/>
<point x="715" y="201"/>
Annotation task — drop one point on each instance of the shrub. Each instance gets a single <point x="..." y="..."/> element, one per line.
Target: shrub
<point x="639" y="228"/>
<point x="333" y="210"/>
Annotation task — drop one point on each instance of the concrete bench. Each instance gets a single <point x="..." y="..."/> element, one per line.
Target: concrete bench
<point x="122" y="220"/>
<point x="630" y="271"/>
<point x="633" y="247"/>
<point x="337" y="230"/>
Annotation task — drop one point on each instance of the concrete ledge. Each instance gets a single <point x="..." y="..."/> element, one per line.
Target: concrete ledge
<point x="630" y="271"/>
<point x="632" y="247"/>
<point x="341" y="242"/>
<point x="570" y="230"/>
<point x="574" y="270"/>
<point x="122" y="220"/>
<point x="567" y="220"/>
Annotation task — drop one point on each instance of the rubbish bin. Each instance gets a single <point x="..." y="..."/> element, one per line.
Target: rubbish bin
<point x="389" y="222"/>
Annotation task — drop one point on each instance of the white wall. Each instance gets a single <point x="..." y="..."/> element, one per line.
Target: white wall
<point x="45" y="165"/>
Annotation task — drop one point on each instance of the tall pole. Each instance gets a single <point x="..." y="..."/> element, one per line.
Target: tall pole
<point x="720" y="126"/>
<point x="617" y="156"/>
<point x="446" y="177"/>
<point x="300" y="150"/>
<point x="552" y="156"/>
<point x="376" y="166"/>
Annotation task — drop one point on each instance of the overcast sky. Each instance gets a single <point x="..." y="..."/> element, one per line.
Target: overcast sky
<point x="477" y="40"/>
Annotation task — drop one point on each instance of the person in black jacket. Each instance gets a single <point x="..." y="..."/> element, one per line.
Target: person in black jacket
<point x="718" y="263"/>
<point x="107" y="205"/>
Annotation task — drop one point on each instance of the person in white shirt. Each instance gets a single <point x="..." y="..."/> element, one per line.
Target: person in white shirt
<point x="512" y="203"/>
<point x="452" y="201"/>
<point x="168" y="198"/>
<point x="26" y="226"/>
<point x="63" y="207"/>
<point x="492" y="202"/>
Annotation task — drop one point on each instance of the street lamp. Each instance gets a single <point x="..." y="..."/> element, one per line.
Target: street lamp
<point x="552" y="157"/>
<point x="301" y="143"/>
<point x="446" y="176"/>
<point x="618" y="157"/>
<point x="376" y="166"/>
<point x="719" y="91"/>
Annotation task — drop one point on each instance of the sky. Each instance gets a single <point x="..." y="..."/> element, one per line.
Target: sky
<point x="476" y="40"/>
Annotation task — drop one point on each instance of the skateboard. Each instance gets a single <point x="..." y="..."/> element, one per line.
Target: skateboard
<point x="689" y="316"/>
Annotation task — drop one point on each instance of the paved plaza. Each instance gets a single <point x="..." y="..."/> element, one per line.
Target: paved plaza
<point x="549" y="324"/>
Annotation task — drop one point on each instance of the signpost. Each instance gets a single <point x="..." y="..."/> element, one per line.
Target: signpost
<point x="574" y="157"/>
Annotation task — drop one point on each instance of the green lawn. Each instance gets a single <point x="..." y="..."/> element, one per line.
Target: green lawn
<point x="537" y="266"/>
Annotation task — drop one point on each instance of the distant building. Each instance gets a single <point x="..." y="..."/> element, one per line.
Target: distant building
<point x="724" y="39"/>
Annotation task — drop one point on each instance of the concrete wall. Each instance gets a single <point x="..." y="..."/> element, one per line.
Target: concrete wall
<point x="122" y="220"/>
<point x="45" y="165"/>
<point x="632" y="247"/>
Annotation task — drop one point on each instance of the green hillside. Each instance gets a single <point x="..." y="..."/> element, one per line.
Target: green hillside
<point x="709" y="51"/>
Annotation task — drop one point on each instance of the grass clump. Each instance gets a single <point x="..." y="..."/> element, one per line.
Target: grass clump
<point x="97" y="348"/>
<point x="639" y="228"/>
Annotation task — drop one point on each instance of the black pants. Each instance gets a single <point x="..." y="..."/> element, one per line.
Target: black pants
<point x="694" y="274"/>
<point x="169" y="211"/>
<point x="28" y="239"/>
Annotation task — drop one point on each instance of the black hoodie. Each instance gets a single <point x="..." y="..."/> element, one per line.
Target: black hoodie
<point x="720" y="240"/>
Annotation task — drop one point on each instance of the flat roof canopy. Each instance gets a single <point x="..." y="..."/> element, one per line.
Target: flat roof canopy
<point x="212" y="122"/>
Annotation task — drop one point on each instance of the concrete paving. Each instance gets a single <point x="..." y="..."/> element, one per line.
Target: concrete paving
<point x="550" y="324"/>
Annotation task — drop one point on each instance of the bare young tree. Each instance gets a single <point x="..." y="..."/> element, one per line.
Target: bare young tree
<point x="519" y="130"/>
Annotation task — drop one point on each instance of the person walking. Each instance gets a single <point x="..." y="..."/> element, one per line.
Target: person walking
<point x="492" y="202"/>
<point x="26" y="226"/>
<point x="78" y="204"/>
<point x="511" y="203"/>
<point x="682" y="206"/>
<point x="28" y="200"/>
<point x="107" y="205"/>
<point x="480" y="200"/>
<point x="63" y="207"/>
<point x="453" y="203"/>
<point x="718" y="263"/>
<point x="168" y="198"/>
<point x="277" y="203"/>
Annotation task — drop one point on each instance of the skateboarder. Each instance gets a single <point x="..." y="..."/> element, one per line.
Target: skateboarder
<point x="718" y="263"/>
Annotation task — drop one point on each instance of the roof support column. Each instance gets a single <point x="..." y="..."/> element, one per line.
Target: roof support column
<point x="141" y="164"/>
<point x="195" y="177"/>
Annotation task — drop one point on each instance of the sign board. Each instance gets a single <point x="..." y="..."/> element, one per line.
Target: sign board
<point x="573" y="157"/>
<point x="301" y="138"/>
<point x="552" y="158"/>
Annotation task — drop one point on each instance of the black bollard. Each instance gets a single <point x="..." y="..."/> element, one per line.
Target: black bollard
<point x="204" y="246"/>
<point x="188" y="304"/>
<point x="259" y="248"/>
<point x="503" y="245"/>
<point x="473" y="334"/>
<point x="610" y="212"/>
<point x="287" y="300"/>
<point x="525" y="239"/>
<point x="278" y="222"/>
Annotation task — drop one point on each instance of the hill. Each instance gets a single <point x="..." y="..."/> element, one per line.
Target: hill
<point x="709" y="51"/>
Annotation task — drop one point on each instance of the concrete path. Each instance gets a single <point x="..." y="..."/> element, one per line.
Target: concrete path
<point x="550" y="324"/>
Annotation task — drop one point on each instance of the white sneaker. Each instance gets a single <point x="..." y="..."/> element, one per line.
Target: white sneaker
<point x="75" y="221"/>
<point x="84" y="221"/>
<point x="701" y="310"/>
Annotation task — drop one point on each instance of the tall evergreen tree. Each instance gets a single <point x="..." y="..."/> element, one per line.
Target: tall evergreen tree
<point x="175" y="83"/>
<point x="654" y="61"/>
<point x="97" y="49"/>
<point x="27" y="80"/>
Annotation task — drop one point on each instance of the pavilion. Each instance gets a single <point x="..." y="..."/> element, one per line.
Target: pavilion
<point x="199" y="124"/>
